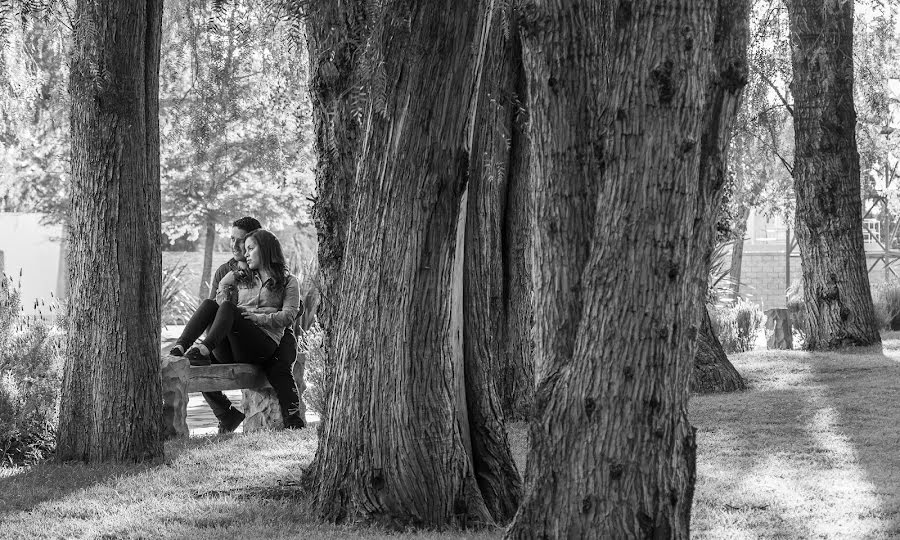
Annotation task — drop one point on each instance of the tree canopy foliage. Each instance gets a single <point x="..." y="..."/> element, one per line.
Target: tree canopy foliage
<point x="234" y="113"/>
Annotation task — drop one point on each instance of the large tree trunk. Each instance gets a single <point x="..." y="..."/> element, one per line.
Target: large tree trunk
<point x="516" y="377"/>
<point x="497" y="261"/>
<point x="393" y="447"/>
<point x="208" y="245"/>
<point x="496" y="295"/>
<point x="826" y="177"/>
<point x="713" y="372"/>
<point x="111" y="397"/>
<point x="618" y="103"/>
<point x="334" y="33"/>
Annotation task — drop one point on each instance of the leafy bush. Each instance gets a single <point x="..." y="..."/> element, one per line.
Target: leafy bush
<point x="30" y="379"/>
<point x="886" y="298"/>
<point x="177" y="304"/>
<point x="720" y="284"/>
<point x="737" y="326"/>
<point x="312" y="345"/>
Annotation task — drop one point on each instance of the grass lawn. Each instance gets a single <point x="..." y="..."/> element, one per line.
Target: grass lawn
<point x="810" y="451"/>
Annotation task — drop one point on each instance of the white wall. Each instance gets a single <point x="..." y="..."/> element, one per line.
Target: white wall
<point x="35" y="249"/>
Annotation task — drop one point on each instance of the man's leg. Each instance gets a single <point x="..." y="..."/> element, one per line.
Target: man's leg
<point x="228" y="416"/>
<point x="278" y="371"/>
<point x="221" y="353"/>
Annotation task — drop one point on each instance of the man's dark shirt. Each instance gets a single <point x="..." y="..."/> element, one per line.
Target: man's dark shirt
<point x="221" y="272"/>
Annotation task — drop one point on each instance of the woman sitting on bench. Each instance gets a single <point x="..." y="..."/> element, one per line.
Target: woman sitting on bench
<point x="246" y="322"/>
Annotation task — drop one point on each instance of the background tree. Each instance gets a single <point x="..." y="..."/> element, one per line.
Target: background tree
<point x="612" y="89"/>
<point x="394" y="445"/>
<point x="234" y="121"/>
<point x="839" y="310"/>
<point x="34" y="120"/>
<point x="111" y="390"/>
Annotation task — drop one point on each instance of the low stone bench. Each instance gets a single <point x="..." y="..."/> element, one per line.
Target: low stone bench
<point x="179" y="378"/>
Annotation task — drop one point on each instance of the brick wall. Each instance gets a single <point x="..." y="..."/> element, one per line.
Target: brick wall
<point x="762" y="277"/>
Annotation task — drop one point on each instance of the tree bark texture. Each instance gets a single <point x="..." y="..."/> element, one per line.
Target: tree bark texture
<point x="826" y="177"/>
<point x="393" y="448"/>
<point x="499" y="379"/>
<point x="618" y="98"/>
<point x="498" y="259"/>
<point x="111" y="399"/>
<point x="713" y="372"/>
<point x="335" y="33"/>
<point x="208" y="246"/>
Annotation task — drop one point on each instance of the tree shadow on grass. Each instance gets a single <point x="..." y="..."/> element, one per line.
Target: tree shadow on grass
<point x="803" y="452"/>
<point x="862" y="389"/>
<point x="22" y="489"/>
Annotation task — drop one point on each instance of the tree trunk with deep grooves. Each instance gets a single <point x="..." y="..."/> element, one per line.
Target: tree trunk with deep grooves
<point x="617" y="103"/>
<point x="111" y="397"/>
<point x="826" y="177"/>
<point x="713" y="372"/>
<point x="496" y="284"/>
<point x="334" y="34"/>
<point x="209" y="245"/>
<point x="393" y="447"/>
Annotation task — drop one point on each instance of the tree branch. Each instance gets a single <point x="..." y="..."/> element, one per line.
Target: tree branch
<point x="777" y="90"/>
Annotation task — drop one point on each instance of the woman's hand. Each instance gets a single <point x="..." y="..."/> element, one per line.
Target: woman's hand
<point x="255" y="318"/>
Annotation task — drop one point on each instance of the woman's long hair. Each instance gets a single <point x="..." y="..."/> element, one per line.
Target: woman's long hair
<point x="271" y="255"/>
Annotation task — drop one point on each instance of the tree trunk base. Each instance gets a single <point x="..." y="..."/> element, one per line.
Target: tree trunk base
<point x="713" y="372"/>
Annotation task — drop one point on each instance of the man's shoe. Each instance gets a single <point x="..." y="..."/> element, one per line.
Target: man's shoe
<point x="231" y="421"/>
<point x="294" y="421"/>
<point x="177" y="350"/>
<point x="197" y="358"/>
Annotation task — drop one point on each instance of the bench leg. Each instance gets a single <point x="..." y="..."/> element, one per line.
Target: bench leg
<point x="261" y="409"/>
<point x="174" y="374"/>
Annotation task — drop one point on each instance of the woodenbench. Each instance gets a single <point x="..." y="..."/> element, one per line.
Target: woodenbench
<point x="259" y="402"/>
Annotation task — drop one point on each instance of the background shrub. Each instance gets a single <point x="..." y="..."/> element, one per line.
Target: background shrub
<point x="312" y="344"/>
<point x="737" y="326"/>
<point x="886" y="298"/>
<point x="30" y="378"/>
<point x="177" y="305"/>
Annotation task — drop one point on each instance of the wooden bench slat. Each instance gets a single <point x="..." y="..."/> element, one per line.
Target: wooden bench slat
<point x="225" y="377"/>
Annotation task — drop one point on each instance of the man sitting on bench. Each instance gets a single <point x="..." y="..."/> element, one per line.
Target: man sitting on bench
<point x="229" y="417"/>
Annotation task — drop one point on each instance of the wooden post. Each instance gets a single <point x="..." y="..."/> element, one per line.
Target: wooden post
<point x="787" y="260"/>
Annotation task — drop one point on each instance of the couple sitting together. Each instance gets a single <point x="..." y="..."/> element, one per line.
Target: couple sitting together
<point x="248" y="318"/>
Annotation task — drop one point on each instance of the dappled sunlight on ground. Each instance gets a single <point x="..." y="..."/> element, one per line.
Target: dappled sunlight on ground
<point x="810" y="450"/>
<point x="233" y="486"/>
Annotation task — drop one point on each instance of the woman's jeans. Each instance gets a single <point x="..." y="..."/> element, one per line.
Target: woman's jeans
<point x="232" y="338"/>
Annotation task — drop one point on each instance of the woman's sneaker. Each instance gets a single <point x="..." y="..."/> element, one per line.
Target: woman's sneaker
<point x="197" y="358"/>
